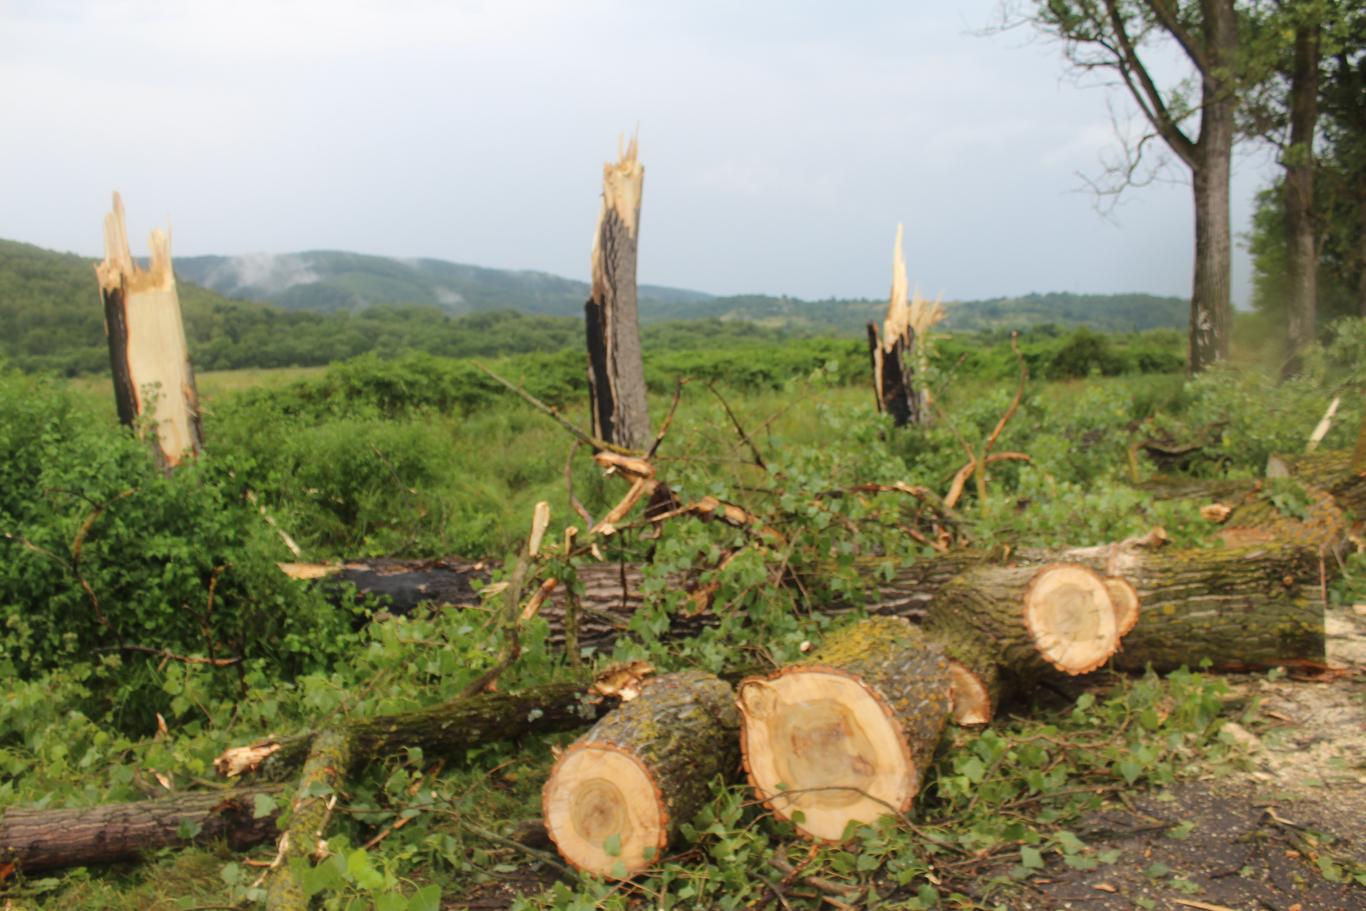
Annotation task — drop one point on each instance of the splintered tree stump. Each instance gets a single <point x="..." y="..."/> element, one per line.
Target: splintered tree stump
<point x="618" y="794"/>
<point x="147" y="350"/>
<point x="848" y="735"/>
<point x="616" y="368"/>
<point x="893" y="377"/>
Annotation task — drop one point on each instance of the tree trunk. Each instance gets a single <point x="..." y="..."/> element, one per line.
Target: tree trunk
<point x="1020" y="623"/>
<point x="618" y="794"/>
<point x="45" y="839"/>
<point x="1330" y="470"/>
<point x="848" y="735"/>
<point x="324" y="771"/>
<point x="892" y="374"/>
<point x="616" y="370"/>
<point x="147" y="351"/>
<point x="446" y="729"/>
<point x="1301" y="240"/>
<point x="1211" y="301"/>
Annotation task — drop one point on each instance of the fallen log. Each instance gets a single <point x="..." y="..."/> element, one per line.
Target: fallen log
<point x="1022" y="623"/>
<point x="1335" y="471"/>
<point x="848" y="735"/>
<point x="46" y="839"/>
<point x="616" y="797"/>
<point x="440" y="730"/>
<point x="329" y="756"/>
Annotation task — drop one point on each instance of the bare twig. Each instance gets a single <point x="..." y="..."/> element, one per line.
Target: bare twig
<point x="739" y="428"/>
<point x="669" y="418"/>
<point x="553" y="413"/>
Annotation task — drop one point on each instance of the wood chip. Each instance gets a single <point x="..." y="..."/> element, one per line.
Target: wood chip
<point x="1203" y="906"/>
<point x="1217" y="513"/>
<point x="1104" y="887"/>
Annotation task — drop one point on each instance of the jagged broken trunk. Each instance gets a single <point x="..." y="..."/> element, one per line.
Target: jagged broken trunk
<point x="616" y="369"/>
<point x="147" y="350"/>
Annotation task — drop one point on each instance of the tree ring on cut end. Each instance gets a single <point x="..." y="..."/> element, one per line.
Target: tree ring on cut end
<point x="1071" y="618"/>
<point x="1126" y="602"/>
<point x="604" y="811"/>
<point x="830" y="750"/>
<point x="969" y="699"/>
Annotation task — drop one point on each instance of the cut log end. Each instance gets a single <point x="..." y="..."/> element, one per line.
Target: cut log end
<point x="605" y="812"/>
<point x="1069" y="614"/>
<point x="1124" y="597"/>
<point x="970" y="700"/>
<point x="818" y="742"/>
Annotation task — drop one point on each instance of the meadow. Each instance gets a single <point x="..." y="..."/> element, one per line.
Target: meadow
<point x="417" y="456"/>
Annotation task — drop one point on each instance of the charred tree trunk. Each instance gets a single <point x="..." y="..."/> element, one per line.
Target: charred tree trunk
<point x="848" y="735"/>
<point x="36" y="840"/>
<point x="147" y="351"/>
<point x="616" y="370"/>
<point x="617" y="795"/>
<point x="1301" y="238"/>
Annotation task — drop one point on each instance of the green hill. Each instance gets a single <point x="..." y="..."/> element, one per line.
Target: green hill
<point x="53" y="321"/>
<point x="327" y="281"/>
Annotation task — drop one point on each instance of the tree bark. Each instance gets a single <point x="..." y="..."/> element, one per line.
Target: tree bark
<point x="446" y="729"/>
<point x="616" y="369"/>
<point x="329" y="756"/>
<point x="46" y="839"/>
<point x="1301" y="236"/>
<point x="1211" y="296"/>
<point x="848" y="735"/>
<point x="147" y="351"/>
<point x="1333" y="471"/>
<point x="617" y="796"/>
<point x="893" y="376"/>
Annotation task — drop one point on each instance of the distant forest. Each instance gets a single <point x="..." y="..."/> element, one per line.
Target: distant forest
<point x="50" y="308"/>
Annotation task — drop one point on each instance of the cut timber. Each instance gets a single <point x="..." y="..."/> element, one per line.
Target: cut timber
<point x="147" y="352"/>
<point x="617" y="795"/>
<point x="616" y="370"/>
<point x="848" y="735"/>
<point x="1124" y="597"/>
<point x="46" y="839"/>
<point x="1258" y="605"/>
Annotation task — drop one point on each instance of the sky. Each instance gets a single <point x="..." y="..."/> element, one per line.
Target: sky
<point x="782" y="141"/>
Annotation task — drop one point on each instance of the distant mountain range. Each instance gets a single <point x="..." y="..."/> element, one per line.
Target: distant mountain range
<point x="328" y="281"/>
<point x="312" y="308"/>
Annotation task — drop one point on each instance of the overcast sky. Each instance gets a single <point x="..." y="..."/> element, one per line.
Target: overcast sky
<point x="782" y="141"/>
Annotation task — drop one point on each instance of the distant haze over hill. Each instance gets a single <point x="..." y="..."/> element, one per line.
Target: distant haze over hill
<point x="329" y="281"/>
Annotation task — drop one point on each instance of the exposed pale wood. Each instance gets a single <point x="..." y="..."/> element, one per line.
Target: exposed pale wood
<point x="1124" y="597"/>
<point x="1070" y="618"/>
<point x="618" y="794"/>
<point x="848" y="735"/>
<point x="616" y="371"/>
<point x="147" y="350"/>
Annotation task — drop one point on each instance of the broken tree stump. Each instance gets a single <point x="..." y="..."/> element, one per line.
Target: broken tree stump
<point x="616" y="369"/>
<point x="147" y="350"/>
<point x="848" y="735"/>
<point x="617" y="795"/>
<point x="893" y="374"/>
<point x="47" y="839"/>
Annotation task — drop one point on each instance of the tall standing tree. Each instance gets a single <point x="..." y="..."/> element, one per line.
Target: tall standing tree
<point x="1117" y="36"/>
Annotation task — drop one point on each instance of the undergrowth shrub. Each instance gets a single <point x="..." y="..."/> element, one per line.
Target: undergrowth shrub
<point x="101" y="554"/>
